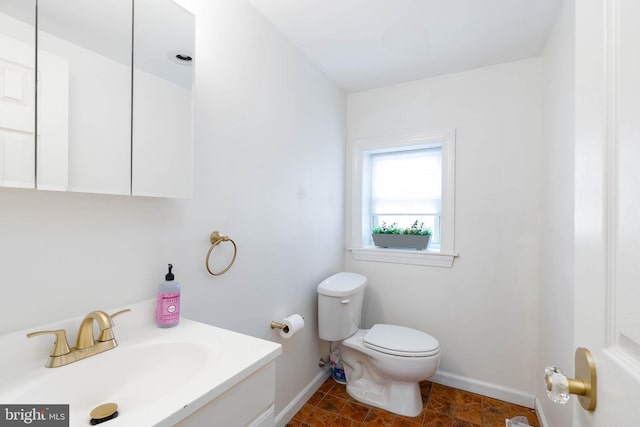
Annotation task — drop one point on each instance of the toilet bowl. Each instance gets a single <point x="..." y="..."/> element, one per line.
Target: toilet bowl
<point x="384" y="364"/>
<point x="389" y="378"/>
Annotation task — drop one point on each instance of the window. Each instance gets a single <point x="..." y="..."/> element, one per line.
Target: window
<point x="398" y="180"/>
<point x="406" y="186"/>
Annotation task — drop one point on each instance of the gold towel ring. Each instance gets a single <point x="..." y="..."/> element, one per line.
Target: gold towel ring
<point x="216" y="239"/>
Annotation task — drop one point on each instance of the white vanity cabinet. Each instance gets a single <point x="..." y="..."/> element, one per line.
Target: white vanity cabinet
<point x="248" y="403"/>
<point x="107" y="106"/>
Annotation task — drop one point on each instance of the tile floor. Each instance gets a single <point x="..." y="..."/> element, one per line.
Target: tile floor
<point x="443" y="407"/>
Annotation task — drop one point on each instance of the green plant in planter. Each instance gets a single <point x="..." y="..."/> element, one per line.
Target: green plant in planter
<point x="415" y="229"/>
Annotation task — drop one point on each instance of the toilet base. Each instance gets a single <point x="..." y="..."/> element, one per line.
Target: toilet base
<point x="402" y="398"/>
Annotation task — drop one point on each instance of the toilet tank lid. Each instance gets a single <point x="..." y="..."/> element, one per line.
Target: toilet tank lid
<point x="400" y="340"/>
<point x="342" y="284"/>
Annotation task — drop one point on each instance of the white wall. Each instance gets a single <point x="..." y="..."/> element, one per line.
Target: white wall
<point x="269" y="172"/>
<point x="484" y="309"/>
<point x="557" y="251"/>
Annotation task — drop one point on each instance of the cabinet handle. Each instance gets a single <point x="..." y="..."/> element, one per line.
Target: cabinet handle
<point x="345" y="301"/>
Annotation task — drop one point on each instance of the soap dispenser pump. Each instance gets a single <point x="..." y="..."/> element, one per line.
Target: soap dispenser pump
<point x="168" y="303"/>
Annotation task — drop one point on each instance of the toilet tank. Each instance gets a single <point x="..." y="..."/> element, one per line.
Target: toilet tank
<point x="340" y="299"/>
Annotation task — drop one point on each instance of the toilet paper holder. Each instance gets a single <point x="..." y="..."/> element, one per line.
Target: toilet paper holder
<point x="281" y="326"/>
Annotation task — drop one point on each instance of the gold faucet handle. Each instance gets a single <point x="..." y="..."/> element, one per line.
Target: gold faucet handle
<point x="107" y="334"/>
<point x="60" y="344"/>
<point x="118" y="313"/>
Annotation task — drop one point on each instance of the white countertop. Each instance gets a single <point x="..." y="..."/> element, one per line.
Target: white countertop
<point x="157" y="376"/>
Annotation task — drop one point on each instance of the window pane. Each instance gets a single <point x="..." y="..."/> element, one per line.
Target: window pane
<point x="406" y="186"/>
<point x="406" y="182"/>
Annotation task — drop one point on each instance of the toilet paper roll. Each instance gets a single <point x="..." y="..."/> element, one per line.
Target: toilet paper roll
<point x="293" y="324"/>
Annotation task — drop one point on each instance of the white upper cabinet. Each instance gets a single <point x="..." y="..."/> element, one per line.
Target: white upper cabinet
<point x="114" y="104"/>
<point x="163" y="51"/>
<point x="84" y="95"/>
<point x="17" y="93"/>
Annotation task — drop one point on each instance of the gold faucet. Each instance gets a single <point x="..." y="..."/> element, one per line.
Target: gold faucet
<point x="86" y="344"/>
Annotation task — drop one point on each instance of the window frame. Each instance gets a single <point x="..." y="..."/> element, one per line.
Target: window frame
<point x="364" y="147"/>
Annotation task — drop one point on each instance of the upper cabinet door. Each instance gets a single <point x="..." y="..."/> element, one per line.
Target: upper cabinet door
<point x="164" y="47"/>
<point x="84" y="95"/>
<point x="17" y="93"/>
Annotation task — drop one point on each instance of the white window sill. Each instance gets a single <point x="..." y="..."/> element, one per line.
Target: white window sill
<point x="403" y="256"/>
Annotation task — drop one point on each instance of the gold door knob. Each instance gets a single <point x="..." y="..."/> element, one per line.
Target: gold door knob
<point x="559" y="387"/>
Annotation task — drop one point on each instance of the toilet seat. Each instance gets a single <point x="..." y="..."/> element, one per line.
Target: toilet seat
<point x="401" y="341"/>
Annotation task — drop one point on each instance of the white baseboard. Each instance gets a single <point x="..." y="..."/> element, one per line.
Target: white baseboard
<point x="485" y="388"/>
<point x="298" y="402"/>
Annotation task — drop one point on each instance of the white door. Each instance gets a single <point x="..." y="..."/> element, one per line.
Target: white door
<point x="607" y="201"/>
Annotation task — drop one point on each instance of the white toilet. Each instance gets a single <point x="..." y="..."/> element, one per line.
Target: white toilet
<point x="385" y="364"/>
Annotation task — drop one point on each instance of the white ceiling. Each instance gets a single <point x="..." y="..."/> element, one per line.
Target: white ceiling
<point x="362" y="44"/>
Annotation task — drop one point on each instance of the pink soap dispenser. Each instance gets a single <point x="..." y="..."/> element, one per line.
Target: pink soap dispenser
<point x="168" y="304"/>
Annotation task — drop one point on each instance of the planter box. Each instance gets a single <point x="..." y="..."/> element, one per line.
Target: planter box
<point x="401" y="241"/>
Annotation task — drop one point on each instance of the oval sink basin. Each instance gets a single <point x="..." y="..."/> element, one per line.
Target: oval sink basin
<point x="130" y="375"/>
